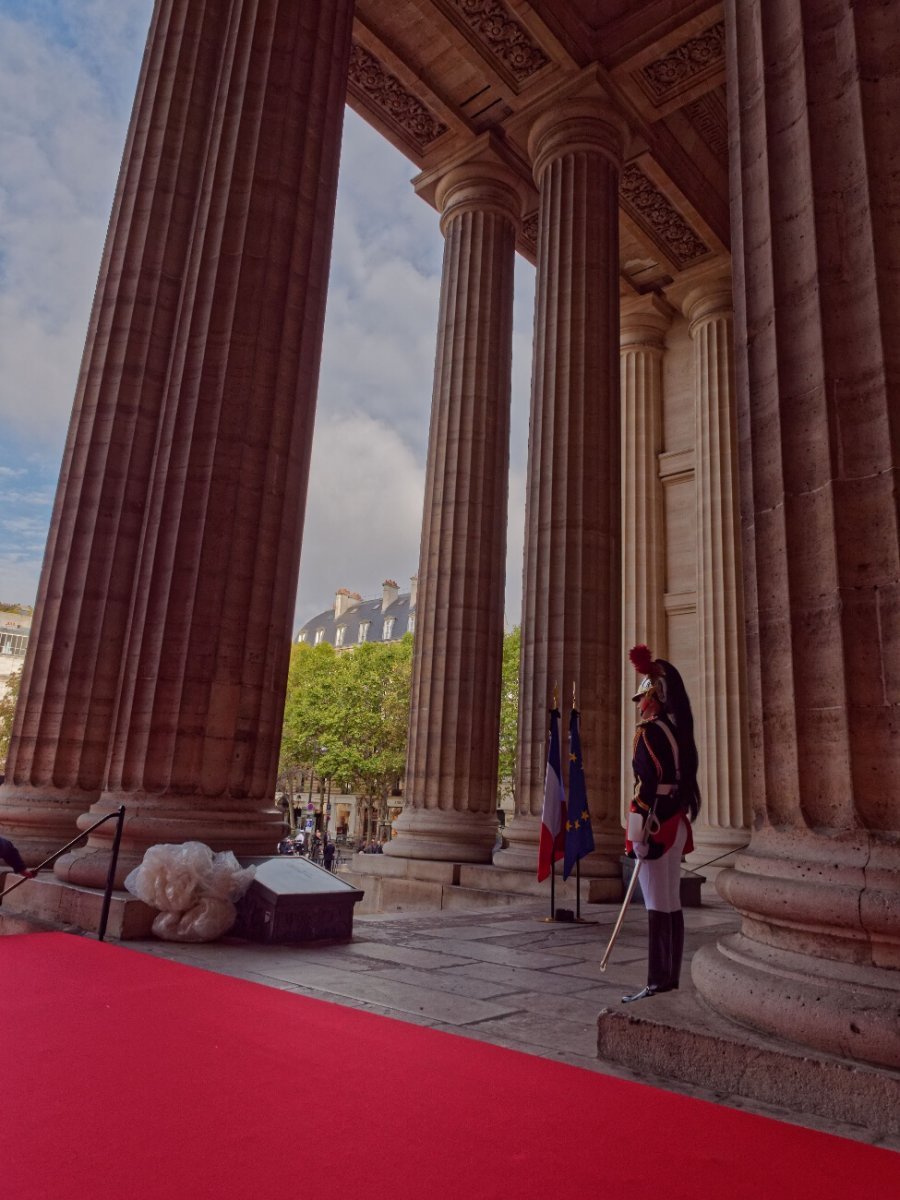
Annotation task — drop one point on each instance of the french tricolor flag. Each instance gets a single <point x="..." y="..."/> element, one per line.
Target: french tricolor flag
<point x="553" y="814"/>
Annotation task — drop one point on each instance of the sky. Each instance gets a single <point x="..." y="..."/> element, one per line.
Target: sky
<point x="68" y="70"/>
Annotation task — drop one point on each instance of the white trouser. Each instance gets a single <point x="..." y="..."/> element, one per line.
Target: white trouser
<point x="661" y="877"/>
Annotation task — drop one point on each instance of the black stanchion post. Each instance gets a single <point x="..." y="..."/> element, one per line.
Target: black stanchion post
<point x="578" y="890"/>
<point x="552" y="889"/>
<point x="110" y="878"/>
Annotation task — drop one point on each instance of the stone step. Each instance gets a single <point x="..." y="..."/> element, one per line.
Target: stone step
<point x="677" y="1036"/>
<point x="49" y="903"/>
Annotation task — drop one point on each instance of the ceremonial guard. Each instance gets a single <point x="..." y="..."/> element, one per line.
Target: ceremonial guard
<point x="666" y="800"/>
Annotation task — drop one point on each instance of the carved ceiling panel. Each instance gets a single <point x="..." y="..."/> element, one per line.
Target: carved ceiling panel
<point x="496" y="33"/>
<point x="677" y="69"/>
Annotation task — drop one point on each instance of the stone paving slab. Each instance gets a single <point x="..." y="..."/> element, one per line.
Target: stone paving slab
<point x="521" y="1030"/>
<point x="375" y="988"/>
<point x="580" y="1008"/>
<point x="534" y="960"/>
<point x="520" y="979"/>
<point x="448" y="981"/>
<point x="409" y="955"/>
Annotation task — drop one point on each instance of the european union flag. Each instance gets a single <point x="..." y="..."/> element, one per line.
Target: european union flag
<point x="579" y="834"/>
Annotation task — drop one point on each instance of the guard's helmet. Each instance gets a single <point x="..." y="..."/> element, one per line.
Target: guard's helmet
<point x="665" y="681"/>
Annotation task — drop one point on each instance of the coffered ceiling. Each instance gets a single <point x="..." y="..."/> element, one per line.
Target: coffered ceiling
<point x="432" y="75"/>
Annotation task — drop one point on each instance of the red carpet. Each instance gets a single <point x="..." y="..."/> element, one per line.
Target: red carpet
<point x="130" y="1078"/>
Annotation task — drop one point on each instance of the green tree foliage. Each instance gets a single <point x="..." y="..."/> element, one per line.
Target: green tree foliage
<point x="7" y="712"/>
<point x="509" y="714"/>
<point x="346" y="717"/>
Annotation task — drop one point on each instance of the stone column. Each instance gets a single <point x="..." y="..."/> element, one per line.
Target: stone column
<point x="642" y="340"/>
<point x="571" y="616"/>
<point x="814" y="91"/>
<point x="67" y="702"/>
<point x="720" y="710"/>
<point x="450" y="798"/>
<point x="198" y="723"/>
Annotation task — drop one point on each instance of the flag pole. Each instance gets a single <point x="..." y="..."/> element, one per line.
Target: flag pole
<point x="578" y="861"/>
<point x="553" y="851"/>
<point x="552" y="916"/>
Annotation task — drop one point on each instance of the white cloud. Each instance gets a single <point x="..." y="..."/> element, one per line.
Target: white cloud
<point x="363" y="512"/>
<point x="61" y="138"/>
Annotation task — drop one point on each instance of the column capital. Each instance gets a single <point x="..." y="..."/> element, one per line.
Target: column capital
<point x="480" y="185"/>
<point x="486" y="176"/>
<point x="708" y="300"/>
<point x="643" y="323"/>
<point x="580" y="125"/>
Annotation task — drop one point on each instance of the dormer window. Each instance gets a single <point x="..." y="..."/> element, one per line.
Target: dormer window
<point x="320" y="634"/>
<point x="302" y="637"/>
<point x="363" y="631"/>
<point x="388" y="629"/>
<point x="411" y="623"/>
<point x="339" y="638"/>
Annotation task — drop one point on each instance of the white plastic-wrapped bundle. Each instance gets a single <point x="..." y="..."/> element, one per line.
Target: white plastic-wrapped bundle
<point x="208" y="919"/>
<point x="194" y="889"/>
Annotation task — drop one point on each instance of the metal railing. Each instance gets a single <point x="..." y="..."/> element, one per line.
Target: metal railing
<point x="119" y="817"/>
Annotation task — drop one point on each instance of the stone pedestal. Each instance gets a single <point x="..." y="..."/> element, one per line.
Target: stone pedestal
<point x="817" y="316"/>
<point x="451" y="780"/>
<point x="571" y="615"/>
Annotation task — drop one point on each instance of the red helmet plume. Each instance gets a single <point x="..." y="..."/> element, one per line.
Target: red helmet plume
<point x="643" y="662"/>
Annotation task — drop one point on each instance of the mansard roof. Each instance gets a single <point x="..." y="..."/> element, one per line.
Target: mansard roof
<point x="356" y="615"/>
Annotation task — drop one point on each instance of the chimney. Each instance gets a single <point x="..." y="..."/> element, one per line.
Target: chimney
<point x="343" y="598"/>
<point x="390" y="592"/>
<point x="413" y="591"/>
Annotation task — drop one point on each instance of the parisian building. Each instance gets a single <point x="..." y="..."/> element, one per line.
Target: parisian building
<point x="352" y="621"/>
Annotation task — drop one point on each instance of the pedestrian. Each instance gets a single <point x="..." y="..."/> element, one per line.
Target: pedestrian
<point x="666" y="801"/>
<point x="13" y="858"/>
<point x="328" y="856"/>
<point x="286" y="846"/>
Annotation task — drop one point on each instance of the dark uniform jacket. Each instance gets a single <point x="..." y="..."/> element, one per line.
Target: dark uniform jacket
<point x="655" y="763"/>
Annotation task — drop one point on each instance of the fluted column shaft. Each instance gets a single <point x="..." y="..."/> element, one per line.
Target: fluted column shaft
<point x="571" y="614"/>
<point x="197" y="728"/>
<point x="815" y="90"/>
<point x="720" y="706"/>
<point x="68" y="698"/>
<point x="451" y="779"/>
<point x="642" y="340"/>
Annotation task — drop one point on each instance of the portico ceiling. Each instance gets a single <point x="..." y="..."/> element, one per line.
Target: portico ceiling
<point x="433" y="75"/>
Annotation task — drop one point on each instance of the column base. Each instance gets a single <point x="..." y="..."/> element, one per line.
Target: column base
<point x="40" y="820"/>
<point x="152" y="821"/>
<point x="839" y="1008"/>
<point x="440" y="836"/>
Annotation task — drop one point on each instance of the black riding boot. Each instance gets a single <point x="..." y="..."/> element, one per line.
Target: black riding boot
<point x="659" y="958"/>
<point x="677" y="947"/>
